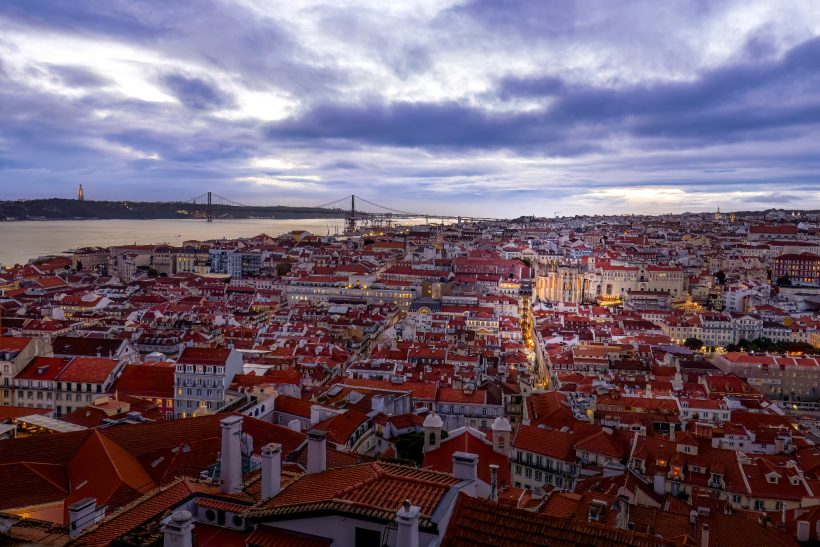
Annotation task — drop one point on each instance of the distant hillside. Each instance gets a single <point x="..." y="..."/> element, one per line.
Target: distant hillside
<point x="62" y="209"/>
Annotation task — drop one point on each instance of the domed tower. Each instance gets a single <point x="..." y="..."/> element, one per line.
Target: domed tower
<point x="501" y="435"/>
<point x="80" y="194"/>
<point x="432" y="431"/>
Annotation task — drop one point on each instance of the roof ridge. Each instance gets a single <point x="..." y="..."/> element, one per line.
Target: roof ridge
<point x="30" y="465"/>
<point x="110" y="446"/>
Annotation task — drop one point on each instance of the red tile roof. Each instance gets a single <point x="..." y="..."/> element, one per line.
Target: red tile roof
<point x="467" y="440"/>
<point x="477" y="522"/>
<point x="552" y="443"/>
<point x="380" y="486"/>
<point x="204" y="356"/>
<point x="92" y="370"/>
<point x="269" y="536"/>
<point x="147" y="380"/>
<point x="14" y="344"/>
<point x="340" y="428"/>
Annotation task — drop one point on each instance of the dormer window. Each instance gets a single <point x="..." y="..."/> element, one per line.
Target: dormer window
<point x="660" y="462"/>
<point x="772" y="477"/>
<point x="595" y="510"/>
<point x="795" y="480"/>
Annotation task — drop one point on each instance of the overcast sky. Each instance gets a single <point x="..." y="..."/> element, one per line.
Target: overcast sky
<point x="486" y="107"/>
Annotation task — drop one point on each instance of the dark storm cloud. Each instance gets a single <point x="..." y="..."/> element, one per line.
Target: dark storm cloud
<point x="728" y="93"/>
<point x="730" y="103"/>
<point x="197" y="93"/>
<point x="436" y="125"/>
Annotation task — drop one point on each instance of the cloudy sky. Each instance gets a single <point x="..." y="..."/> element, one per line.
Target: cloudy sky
<point x="485" y="107"/>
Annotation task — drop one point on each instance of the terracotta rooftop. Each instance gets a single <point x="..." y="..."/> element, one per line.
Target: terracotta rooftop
<point x="477" y="522"/>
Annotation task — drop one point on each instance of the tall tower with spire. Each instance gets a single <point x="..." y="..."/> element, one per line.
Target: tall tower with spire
<point x="80" y="194"/>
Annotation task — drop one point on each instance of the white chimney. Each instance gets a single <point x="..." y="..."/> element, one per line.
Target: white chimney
<point x="803" y="530"/>
<point x="465" y="466"/>
<point x="704" y="535"/>
<point x="317" y="451"/>
<point x="177" y="530"/>
<point x="295" y="425"/>
<point x="407" y="518"/>
<point x="271" y="470"/>
<point x="230" y="467"/>
<point x="493" y="482"/>
<point x="82" y="514"/>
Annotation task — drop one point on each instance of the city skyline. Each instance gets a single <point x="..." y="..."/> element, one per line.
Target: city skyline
<point x="483" y="108"/>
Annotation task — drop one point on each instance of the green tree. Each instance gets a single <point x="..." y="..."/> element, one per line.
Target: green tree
<point x="283" y="268"/>
<point x="411" y="447"/>
<point x="783" y="281"/>
<point x="693" y="343"/>
<point x="762" y="344"/>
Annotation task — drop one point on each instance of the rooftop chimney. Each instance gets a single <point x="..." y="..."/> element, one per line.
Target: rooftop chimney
<point x="803" y="530"/>
<point x="493" y="482"/>
<point x="230" y="467"/>
<point x="317" y="451"/>
<point x="83" y="514"/>
<point x="271" y="470"/>
<point x="407" y="518"/>
<point x="704" y="535"/>
<point x="465" y="466"/>
<point x="295" y="425"/>
<point x="177" y="530"/>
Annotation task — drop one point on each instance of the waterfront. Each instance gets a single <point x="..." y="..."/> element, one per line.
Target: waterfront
<point x="22" y="241"/>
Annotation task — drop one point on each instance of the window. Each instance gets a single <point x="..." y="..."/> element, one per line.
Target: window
<point x="759" y="505"/>
<point x="366" y="538"/>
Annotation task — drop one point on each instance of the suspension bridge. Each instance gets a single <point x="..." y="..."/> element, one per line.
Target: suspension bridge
<point x="354" y="209"/>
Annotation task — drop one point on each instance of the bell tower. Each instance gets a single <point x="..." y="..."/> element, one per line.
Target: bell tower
<point x="80" y="194"/>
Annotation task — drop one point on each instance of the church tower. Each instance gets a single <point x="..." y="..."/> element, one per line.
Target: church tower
<point x="80" y="194"/>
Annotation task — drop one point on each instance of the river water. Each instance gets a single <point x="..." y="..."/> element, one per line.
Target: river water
<point x="22" y="241"/>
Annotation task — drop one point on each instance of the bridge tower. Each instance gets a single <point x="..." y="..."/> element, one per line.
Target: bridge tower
<point x="209" y="211"/>
<point x="350" y="219"/>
